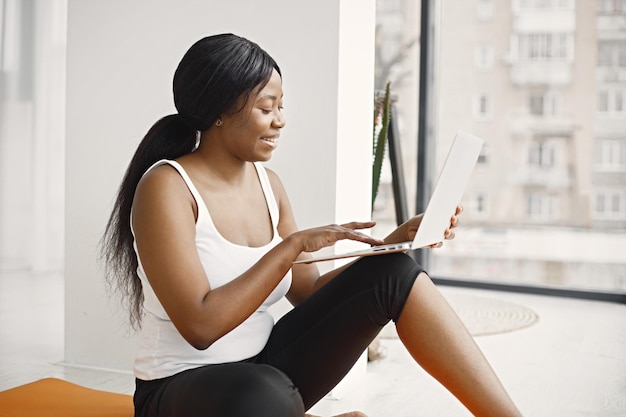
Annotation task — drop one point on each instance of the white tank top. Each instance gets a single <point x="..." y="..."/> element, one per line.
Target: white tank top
<point x="162" y="351"/>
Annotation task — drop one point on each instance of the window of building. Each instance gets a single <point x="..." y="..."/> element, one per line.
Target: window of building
<point x="542" y="207"/>
<point x="611" y="155"/>
<point x="483" y="157"/>
<point x="612" y="53"/>
<point x="552" y="104"/>
<point x="610" y="204"/>
<point x="478" y="207"/>
<point x="482" y="107"/>
<point x="536" y="104"/>
<point x="541" y="155"/>
<point x="605" y="58"/>
<point x="612" y="6"/>
<point x="611" y="101"/>
<point x="544" y="46"/>
<point x="484" y="10"/>
<point x="603" y="101"/>
<point x="544" y="103"/>
<point x="483" y="56"/>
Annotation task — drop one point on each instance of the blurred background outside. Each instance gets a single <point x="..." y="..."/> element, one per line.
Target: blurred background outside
<point x="543" y="82"/>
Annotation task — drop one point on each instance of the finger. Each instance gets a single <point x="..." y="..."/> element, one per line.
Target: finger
<point x="362" y="237"/>
<point x="454" y="221"/>
<point x="459" y="209"/>
<point x="359" y="225"/>
<point x="449" y="234"/>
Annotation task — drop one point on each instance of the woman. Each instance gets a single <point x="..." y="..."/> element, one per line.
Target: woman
<point x="202" y="239"/>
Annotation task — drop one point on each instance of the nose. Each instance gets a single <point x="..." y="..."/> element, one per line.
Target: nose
<point x="279" y="120"/>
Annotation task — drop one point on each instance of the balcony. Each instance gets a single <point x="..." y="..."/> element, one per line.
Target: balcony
<point x="553" y="73"/>
<point x="523" y="123"/>
<point x="549" y="177"/>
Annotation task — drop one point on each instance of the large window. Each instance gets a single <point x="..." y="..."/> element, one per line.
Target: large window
<point x="32" y="130"/>
<point x="542" y="82"/>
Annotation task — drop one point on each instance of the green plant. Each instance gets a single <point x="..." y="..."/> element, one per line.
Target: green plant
<point x="381" y="119"/>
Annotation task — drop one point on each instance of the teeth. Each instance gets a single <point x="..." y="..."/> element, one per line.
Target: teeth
<point x="272" y="140"/>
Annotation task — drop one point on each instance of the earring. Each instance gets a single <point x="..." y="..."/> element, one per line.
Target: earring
<point x="219" y="122"/>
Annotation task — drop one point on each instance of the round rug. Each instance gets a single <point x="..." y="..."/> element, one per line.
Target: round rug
<point x="484" y="316"/>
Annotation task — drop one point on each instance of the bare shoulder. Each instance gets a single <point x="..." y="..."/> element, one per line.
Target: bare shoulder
<point x="277" y="185"/>
<point x="163" y="179"/>
<point x="162" y="187"/>
<point x="287" y="223"/>
<point x="272" y="175"/>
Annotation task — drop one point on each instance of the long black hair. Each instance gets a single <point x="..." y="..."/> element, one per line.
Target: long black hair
<point x="211" y="79"/>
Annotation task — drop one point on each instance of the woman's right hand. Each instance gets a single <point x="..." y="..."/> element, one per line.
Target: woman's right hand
<point x="312" y="240"/>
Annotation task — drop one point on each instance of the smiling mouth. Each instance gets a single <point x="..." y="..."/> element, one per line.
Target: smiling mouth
<point x="272" y="140"/>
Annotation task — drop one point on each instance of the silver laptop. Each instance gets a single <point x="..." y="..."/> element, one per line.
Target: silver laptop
<point x="447" y="194"/>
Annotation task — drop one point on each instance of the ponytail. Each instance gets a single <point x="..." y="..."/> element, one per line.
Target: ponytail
<point x="169" y="138"/>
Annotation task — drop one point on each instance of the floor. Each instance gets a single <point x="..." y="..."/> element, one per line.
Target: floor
<point x="557" y="357"/>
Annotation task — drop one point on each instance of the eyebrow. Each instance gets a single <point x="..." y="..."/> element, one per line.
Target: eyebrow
<point x="266" y="96"/>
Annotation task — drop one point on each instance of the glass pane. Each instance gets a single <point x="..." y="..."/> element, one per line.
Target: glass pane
<point x="32" y="134"/>
<point x="397" y="58"/>
<point x="546" y="204"/>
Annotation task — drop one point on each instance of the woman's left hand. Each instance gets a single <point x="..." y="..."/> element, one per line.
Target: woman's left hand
<point x="414" y="223"/>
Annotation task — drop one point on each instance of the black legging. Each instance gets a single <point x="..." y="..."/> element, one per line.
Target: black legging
<point x="309" y="351"/>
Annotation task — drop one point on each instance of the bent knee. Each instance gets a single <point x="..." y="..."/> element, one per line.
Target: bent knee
<point x="396" y="265"/>
<point x="390" y="278"/>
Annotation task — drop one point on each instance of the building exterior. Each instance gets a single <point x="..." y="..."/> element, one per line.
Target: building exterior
<point x="609" y="165"/>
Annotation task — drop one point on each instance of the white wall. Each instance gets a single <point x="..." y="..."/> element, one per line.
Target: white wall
<point x="121" y="59"/>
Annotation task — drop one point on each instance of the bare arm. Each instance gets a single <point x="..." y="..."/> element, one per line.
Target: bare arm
<point x="306" y="277"/>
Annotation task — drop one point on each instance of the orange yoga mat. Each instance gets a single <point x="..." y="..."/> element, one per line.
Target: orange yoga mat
<point x="53" y="397"/>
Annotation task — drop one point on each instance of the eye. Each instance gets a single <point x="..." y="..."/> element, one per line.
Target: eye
<point x="266" y="111"/>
